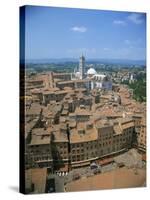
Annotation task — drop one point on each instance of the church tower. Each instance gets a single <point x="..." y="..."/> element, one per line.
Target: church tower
<point x="81" y="66"/>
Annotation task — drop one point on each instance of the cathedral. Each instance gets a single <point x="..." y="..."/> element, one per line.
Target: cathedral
<point x="96" y="80"/>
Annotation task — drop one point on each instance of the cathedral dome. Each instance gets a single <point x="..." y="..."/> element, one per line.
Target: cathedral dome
<point x="91" y="71"/>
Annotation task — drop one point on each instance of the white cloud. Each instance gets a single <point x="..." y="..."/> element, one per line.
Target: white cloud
<point x="135" y="18"/>
<point x="106" y="49"/>
<point x="80" y="29"/>
<point x="136" y="43"/>
<point x="127" y="42"/>
<point x="119" y="22"/>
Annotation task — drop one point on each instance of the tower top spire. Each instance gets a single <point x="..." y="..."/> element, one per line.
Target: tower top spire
<point x="82" y="56"/>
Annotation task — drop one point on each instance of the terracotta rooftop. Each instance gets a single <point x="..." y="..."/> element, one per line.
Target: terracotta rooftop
<point x="29" y="126"/>
<point x="57" y="74"/>
<point x="80" y="111"/>
<point x="126" y="122"/>
<point x="76" y="137"/>
<point x="35" y="109"/>
<point x="41" y="131"/>
<point x="40" y="140"/>
<point x="59" y="135"/>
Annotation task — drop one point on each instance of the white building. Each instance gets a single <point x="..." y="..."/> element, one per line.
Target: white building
<point x="131" y="80"/>
<point x="91" y="72"/>
<point x="100" y="81"/>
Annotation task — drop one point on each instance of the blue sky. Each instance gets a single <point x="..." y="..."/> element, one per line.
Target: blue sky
<point x="66" y="33"/>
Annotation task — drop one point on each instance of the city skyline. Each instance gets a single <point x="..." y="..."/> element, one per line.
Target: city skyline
<point x="54" y="33"/>
<point x="82" y="102"/>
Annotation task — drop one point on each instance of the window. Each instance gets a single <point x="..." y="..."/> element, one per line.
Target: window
<point x="73" y="151"/>
<point x="78" y="157"/>
<point x="73" y="158"/>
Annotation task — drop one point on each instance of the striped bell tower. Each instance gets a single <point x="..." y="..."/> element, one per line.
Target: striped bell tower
<point x="81" y="66"/>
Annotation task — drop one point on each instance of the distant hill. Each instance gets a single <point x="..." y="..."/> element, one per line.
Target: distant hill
<point x="90" y="60"/>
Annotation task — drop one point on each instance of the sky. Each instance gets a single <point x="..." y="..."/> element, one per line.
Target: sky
<point x="52" y="32"/>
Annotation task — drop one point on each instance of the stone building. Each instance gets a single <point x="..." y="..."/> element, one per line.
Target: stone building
<point x="71" y="123"/>
<point x="142" y="135"/>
